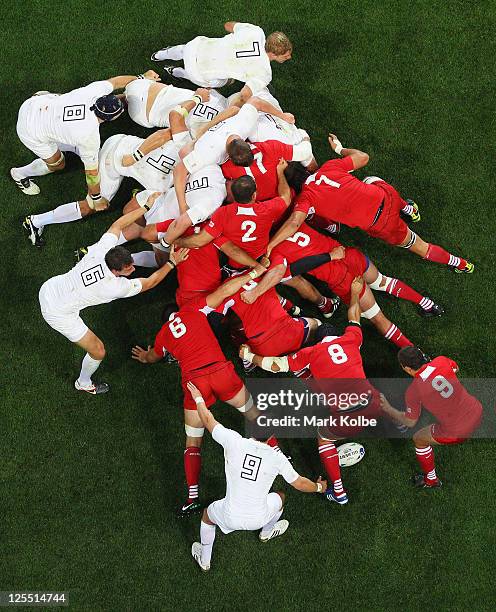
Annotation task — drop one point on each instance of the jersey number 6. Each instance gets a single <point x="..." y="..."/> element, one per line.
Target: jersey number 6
<point x="177" y="327"/>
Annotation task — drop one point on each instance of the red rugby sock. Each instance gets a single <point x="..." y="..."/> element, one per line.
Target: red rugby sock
<point x="192" y="467"/>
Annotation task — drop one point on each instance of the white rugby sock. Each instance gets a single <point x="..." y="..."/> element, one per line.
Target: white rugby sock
<point x="207" y="538"/>
<point x="266" y="529"/>
<point x="172" y="53"/>
<point x="145" y="259"/>
<point x="35" y="168"/>
<point x="88" y="367"/>
<point x="62" y="214"/>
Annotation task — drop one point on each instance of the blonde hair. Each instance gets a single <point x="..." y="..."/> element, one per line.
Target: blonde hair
<point x="278" y="43"/>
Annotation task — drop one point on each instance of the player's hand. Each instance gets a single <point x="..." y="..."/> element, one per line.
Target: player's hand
<point x="289" y="117"/>
<point x="333" y="141"/>
<point x="244" y="349"/>
<point x="195" y="393"/>
<point x="357" y="285"/>
<point x="127" y="160"/>
<point x="282" y="165"/>
<point x="338" y="253"/>
<point x="248" y="297"/>
<point x="260" y="269"/>
<point x="178" y="256"/>
<point x="151" y="75"/>
<point x="384" y="403"/>
<point x="101" y="204"/>
<point x="264" y="261"/>
<point x="323" y="483"/>
<point x="203" y="93"/>
<point x="139" y="353"/>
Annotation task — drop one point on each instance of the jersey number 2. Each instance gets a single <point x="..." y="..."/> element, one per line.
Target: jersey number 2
<point x="248" y="227"/>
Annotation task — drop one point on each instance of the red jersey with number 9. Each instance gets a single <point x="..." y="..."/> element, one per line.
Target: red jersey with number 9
<point x="336" y="195"/>
<point x="247" y="225"/>
<point x="264" y="167"/>
<point x="438" y="390"/>
<point x="190" y="339"/>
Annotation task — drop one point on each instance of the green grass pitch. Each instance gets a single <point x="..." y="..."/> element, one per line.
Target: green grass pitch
<point x="88" y="485"/>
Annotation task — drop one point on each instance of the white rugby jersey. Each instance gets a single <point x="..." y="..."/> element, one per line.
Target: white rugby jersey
<point x="67" y="119"/>
<point x="269" y="127"/>
<point x="251" y="468"/>
<point x="205" y="191"/>
<point x="211" y="147"/>
<point x="240" y="55"/>
<point x="153" y="171"/>
<point x="205" y="111"/>
<point x="90" y="282"/>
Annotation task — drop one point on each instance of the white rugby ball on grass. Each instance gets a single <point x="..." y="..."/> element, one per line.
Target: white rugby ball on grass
<point x="350" y="453"/>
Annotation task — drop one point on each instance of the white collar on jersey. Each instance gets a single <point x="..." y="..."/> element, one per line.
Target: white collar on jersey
<point x="242" y="210"/>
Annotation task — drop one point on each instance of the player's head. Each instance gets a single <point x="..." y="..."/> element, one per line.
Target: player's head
<point x="240" y="152"/>
<point x="411" y="359"/>
<point x="108" y="108"/>
<point x="119" y="261"/>
<point x="325" y="330"/>
<point x="168" y="312"/>
<point x="278" y="47"/>
<point x="244" y="190"/>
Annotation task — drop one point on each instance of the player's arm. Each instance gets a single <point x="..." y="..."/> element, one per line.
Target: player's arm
<point x="305" y="485"/>
<point x="177" y="228"/>
<point x="396" y="415"/>
<point x="282" y="186"/>
<point x="263" y="106"/>
<point x="154" y="141"/>
<point x="354" y="310"/>
<point x="196" y="241"/>
<point x="227" y="113"/>
<point x="175" y="258"/>
<point x="360" y="159"/>
<point x="269" y="364"/>
<point x="207" y="418"/>
<point x="232" y="286"/>
<point x="122" y="222"/>
<point x="145" y="355"/>
<point x="310" y="262"/>
<point x="271" y="278"/>
<point x="229" y="26"/>
<point x="292" y="225"/>
<point x="119" y="82"/>
<point x="181" y="174"/>
<point x="237" y="254"/>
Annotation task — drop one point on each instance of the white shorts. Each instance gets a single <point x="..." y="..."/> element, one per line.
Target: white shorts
<point x="137" y="95"/>
<point x="165" y="206"/>
<point x="227" y="523"/>
<point x="110" y="179"/>
<point x="191" y="67"/>
<point x="64" y="320"/>
<point x="41" y="148"/>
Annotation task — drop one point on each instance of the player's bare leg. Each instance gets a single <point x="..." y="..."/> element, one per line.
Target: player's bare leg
<point x="330" y="460"/>
<point x="423" y="441"/>
<point x="192" y="461"/>
<point x="307" y="291"/>
<point x="379" y="282"/>
<point x="202" y="551"/>
<point x="275" y="528"/>
<point x="38" y="167"/>
<point x="370" y="310"/>
<point x="95" y="352"/>
<point x="433" y="252"/>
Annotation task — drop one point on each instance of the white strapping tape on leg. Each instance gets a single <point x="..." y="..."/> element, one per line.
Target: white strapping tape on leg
<point x="247" y="406"/>
<point x="57" y="163"/>
<point x="377" y="283"/>
<point x="371" y="312"/>
<point x="194" y="432"/>
<point x="411" y="242"/>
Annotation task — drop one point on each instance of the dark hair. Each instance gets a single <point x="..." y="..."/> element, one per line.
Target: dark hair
<point x="412" y="357"/>
<point x="240" y="152"/>
<point x="243" y="188"/>
<point x="117" y="258"/>
<point x="168" y="310"/>
<point x="326" y="329"/>
<point x="296" y="175"/>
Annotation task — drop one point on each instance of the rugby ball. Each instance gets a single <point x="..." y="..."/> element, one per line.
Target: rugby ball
<point x="350" y="453"/>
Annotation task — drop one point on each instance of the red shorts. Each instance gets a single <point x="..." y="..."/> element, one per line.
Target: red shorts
<point x="443" y="435"/>
<point x="288" y="339"/>
<point x="390" y="227"/>
<point x="216" y="382"/>
<point x="339" y="274"/>
<point x="182" y="297"/>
